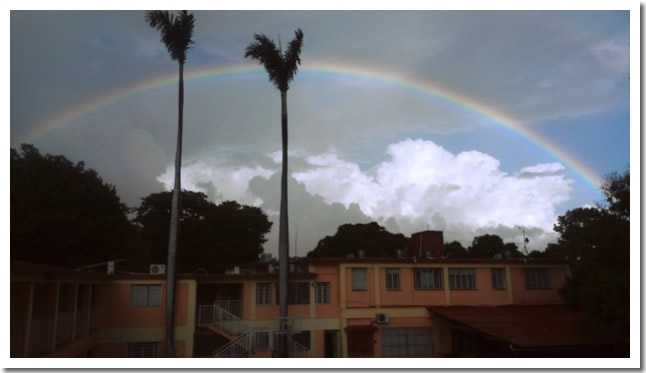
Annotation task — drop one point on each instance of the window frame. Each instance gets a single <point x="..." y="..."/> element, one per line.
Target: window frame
<point x="462" y="279"/>
<point x="150" y="301"/>
<point x="537" y="278"/>
<point x="498" y="276"/>
<point x="139" y="348"/>
<point x="264" y="293"/>
<point x="437" y="282"/>
<point x="322" y="293"/>
<point x="355" y="286"/>
<point x="407" y="341"/>
<point x="393" y="279"/>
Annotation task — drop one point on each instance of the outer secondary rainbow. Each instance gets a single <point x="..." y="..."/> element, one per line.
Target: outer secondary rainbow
<point x="335" y="69"/>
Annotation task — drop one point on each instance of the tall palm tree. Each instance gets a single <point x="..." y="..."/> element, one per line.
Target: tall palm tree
<point x="177" y="34"/>
<point x="281" y="68"/>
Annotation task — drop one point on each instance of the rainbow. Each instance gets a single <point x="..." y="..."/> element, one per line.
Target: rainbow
<point x="436" y="91"/>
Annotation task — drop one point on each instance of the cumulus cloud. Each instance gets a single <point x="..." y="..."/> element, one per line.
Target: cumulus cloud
<point x="218" y="180"/>
<point x="422" y="184"/>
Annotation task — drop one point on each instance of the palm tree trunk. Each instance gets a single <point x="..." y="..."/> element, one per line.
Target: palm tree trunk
<point x="283" y="235"/>
<point x="174" y="227"/>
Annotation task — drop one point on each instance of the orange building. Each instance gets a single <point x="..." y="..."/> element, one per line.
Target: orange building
<point x="359" y="307"/>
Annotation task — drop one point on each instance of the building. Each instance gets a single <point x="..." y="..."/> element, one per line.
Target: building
<point x="404" y="306"/>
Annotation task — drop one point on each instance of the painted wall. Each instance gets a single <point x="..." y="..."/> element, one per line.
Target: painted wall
<point x="482" y="295"/>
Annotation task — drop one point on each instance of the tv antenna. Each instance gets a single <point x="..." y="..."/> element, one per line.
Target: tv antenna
<point x="525" y="242"/>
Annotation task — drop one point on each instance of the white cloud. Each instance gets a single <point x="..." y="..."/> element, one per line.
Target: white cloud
<point x="218" y="180"/>
<point x="423" y="184"/>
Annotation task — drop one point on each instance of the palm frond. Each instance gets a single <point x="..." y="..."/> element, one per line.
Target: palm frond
<point x="264" y="50"/>
<point x="292" y="56"/>
<point x="176" y="32"/>
<point x="281" y="68"/>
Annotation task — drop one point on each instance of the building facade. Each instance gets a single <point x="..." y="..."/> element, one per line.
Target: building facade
<point x="352" y="307"/>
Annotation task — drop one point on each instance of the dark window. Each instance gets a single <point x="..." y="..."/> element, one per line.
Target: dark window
<point x="263" y="293"/>
<point x="537" y="278"/>
<point x="392" y="279"/>
<point x="142" y="349"/>
<point x="145" y="296"/>
<point x="406" y="342"/>
<point x="462" y="278"/>
<point x="322" y="293"/>
<point x="80" y="298"/>
<point x="428" y="279"/>
<point x="498" y="278"/>
<point x="297" y="293"/>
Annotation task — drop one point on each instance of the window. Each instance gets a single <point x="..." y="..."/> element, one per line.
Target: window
<point x="462" y="278"/>
<point x="145" y="296"/>
<point x="80" y="299"/>
<point x="322" y="293"/>
<point x="428" y="279"/>
<point x="392" y="279"/>
<point x="406" y="342"/>
<point x="359" y="279"/>
<point x="297" y="293"/>
<point x="537" y="278"/>
<point x="498" y="278"/>
<point x="263" y="293"/>
<point x="142" y="349"/>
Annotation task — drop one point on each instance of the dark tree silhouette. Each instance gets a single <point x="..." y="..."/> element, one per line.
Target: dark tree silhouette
<point x="455" y="250"/>
<point x="373" y="239"/>
<point x="596" y="242"/>
<point x="177" y="35"/>
<point x="63" y="214"/>
<point x="282" y="68"/>
<point x="212" y="235"/>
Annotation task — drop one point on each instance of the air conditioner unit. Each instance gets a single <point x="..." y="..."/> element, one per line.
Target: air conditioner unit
<point x="382" y="318"/>
<point x="157" y="269"/>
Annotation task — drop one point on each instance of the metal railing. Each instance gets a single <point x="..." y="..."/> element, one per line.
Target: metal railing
<point x="240" y="347"/>
<point x="232" y="306"/>
<point x="295" y="349"/>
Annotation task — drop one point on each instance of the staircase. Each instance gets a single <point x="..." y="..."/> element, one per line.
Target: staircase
<point x="225" y="323"/>
<point x="239" y="333"/>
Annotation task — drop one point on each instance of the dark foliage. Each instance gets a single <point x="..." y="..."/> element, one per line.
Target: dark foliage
<point x="597" y="243"/>
<point x="63" y="214"/>
<point x="455" y="250"/>
<point x="372" y="238"/>
<point x="211" y="235"/>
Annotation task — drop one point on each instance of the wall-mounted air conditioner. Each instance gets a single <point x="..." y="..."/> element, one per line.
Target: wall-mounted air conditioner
<point x="157" y="269"/>
<point x="382" y="318"/>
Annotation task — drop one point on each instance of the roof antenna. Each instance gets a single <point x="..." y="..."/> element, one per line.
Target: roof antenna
<point x="525" y="242"/>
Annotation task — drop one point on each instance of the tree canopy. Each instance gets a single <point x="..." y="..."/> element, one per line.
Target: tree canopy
<point x="597" y="243"/>
<point x="64" y="214"/>
<point x="210" y="235"/>
<point x="486" y="246"/>
<point x="371" y="238"/>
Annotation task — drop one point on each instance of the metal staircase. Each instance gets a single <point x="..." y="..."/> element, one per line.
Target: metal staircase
<point x="239" y="333"/>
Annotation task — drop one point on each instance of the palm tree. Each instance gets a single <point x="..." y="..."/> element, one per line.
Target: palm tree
<point x="281" y="69"/>
<point x="176" y="34"/>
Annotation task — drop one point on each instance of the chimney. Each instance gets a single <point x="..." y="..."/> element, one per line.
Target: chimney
<point x="426" y="244"/>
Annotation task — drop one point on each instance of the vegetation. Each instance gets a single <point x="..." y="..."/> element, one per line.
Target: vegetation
<point x="373" y="239"/>
<point x="212" y="235"/>
<point x="282" y="68"/>
<point x="177" y="35"/>
<point x="63" y="214"/>
<point x="596" y="242"/>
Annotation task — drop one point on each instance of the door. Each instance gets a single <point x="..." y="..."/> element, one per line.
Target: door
<point x="360" y="343"/>
<point x="331" y="343"/>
